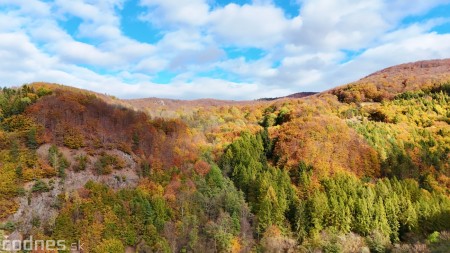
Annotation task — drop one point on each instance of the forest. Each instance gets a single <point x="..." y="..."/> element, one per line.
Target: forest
<point x="357" y="169"/>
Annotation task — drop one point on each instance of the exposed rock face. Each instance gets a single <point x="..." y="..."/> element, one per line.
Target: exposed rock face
<point x="41" y="207"/>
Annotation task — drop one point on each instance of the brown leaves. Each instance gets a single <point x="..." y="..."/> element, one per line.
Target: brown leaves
<point x="202" y="167"/>
<point x="77" y="120"/>
<point x="7" y="207"/>
<point x="328" y="144"/>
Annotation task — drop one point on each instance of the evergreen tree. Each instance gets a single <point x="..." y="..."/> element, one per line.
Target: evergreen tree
<point x="392" y="212"/>
<point x="31" y="139"/>
<point x="267" y="211"/>
<point x="381" y="223"/>
<point x="14" y="152"/>
<point x="364" y="212"/>
<point x="318" y="211"/>
<point x="58" y="161"/>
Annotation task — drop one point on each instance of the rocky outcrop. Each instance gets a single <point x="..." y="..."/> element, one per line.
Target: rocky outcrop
<point x="41" y="208"/>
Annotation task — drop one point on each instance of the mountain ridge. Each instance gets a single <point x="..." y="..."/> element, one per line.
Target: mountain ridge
<point x="388" y="82"/>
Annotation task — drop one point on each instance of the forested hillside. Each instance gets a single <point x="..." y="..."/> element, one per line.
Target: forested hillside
<point x="364" y="167"/>
<point x="389" y="82"/>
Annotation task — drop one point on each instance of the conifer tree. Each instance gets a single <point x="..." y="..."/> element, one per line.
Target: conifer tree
<point x="318" y="211"/>
<point x="380" y="220"/>
<point x="363" y="213"/>
<point x="32" y="139"/>
<point x="392" y="212"/>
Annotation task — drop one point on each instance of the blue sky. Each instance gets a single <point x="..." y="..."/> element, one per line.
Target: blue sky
<point x="214" y="48"/>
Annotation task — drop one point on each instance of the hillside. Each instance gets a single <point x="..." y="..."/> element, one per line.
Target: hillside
<point x="158" y="107"/>
<point x="295" y="95"/>
<point x="332" y="172"/>
<point x="389" y="82"/>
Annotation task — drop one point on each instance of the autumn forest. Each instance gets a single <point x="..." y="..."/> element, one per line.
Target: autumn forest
<point x="360" y="168"/>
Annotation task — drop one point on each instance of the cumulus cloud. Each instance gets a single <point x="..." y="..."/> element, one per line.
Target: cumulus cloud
<point x="251" y="25"/>
<point x="31" y="7"/>
<point x="406" y="45"/>
<point x="176" y="12"/>
<point x="306" y="52"/>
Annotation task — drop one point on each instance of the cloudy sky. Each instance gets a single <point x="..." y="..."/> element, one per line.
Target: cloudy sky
<point x="214" y="48"/>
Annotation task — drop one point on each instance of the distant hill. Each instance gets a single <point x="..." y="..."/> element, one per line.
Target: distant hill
<point x="301" y="94"/>
<point x="387" y="83"/>
<point x="175" y="103"/>
<point x="205" y="102"/>
<point x="295" y="95"/>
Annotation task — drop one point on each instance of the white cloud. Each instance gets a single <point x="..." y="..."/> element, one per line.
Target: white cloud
<point x="196" y="58"/>
<point x="300" y="53"/>
<point x="412" y="30"/>
<point x="151" y="65"/>
<point x="91" y="11"/>
<point x="395" y="10"/>
<point x="260" y="24"/>
<point x="409" y="48"/>
<point x="46" y="31"/>
<point x="104" y="32"/>
<point x="8" y="23"/>
<point x="183" y="49"/>
<point x="256" y="70"/>
<point x="100" y="21"/>
<point x="30" y="7"/>
<point x="82" y="53"/>
<point x="332" y="25"/>
<point x="412" y="48"/>
<point x="353" y="24"/>
<point x="183" y="40"/>
<point x="251" y="25"/>
<point x="176" y="12"/>
<point x="21" y="61"/>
